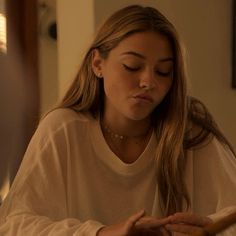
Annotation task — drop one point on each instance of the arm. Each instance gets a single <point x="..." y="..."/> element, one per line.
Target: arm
<point x="220" y="181"/>
<point x="213" y="190"/>
<point x="187" y="223"/>
<point x="137" y="225"/>
<point x="37" y="202"/>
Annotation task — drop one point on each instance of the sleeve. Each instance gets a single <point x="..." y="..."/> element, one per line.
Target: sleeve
<point x="215" y="182"/>
<point x="37" y="202"/>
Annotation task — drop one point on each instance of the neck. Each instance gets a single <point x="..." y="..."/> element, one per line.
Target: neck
<point x="124" y="127"/>
<point x="126" y="139"/>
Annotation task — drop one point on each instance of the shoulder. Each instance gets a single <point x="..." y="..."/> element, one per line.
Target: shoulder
<point x="61" y="124"/>
<point x="212" y="173"/>
<point x="215" y="154"/>
<point x="64" y="117"/>
<point x="210" y="148"/>
<point x="201" y="126"/>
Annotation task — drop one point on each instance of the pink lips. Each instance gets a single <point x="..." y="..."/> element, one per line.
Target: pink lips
<point x="144" y="97"/>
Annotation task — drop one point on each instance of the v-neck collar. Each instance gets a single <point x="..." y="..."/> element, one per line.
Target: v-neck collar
<point x="109" y="158"/>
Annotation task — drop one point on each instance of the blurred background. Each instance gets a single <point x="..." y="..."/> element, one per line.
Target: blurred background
<point x="42" y="43"/>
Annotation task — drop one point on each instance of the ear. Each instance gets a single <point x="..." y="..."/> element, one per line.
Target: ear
<point x="97" y="61"/>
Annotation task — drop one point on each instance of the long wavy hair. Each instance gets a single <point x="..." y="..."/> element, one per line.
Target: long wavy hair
<point x="171" y="119"/>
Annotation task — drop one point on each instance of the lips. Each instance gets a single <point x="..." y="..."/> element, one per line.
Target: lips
<point x="144" y="97"/>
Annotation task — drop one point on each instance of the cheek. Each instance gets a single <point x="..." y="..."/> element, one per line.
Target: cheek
<point x="112" y="86"/>
<point x="164" y="87"/>
<point x="167" y="87"/>
<point x="118" y="82"/>
<point x="167" y="84"/>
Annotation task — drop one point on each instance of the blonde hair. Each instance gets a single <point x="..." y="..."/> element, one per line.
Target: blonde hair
<point x="169" y="118"/>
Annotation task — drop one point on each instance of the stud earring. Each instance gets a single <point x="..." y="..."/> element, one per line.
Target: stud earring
<point x="99" y="75"/>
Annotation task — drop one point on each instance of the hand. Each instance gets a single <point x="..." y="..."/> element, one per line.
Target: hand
<point x="152" y="226"/>
<point x="187" y="223"/>
<point x="125" y="228"/>
<point x="137" y="225"/>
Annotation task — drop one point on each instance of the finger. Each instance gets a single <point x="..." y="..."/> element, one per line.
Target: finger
<point x="165" y="232"/>
<point x="134" y="218"/>
<point x="151" y="223"/>
<point x="190" y="218"/>
<point x="182" y="228"/>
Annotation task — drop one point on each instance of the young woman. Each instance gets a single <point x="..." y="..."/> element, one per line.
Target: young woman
<point x="127" y="151"/>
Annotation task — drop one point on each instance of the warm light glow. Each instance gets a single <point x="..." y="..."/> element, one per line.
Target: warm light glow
<point x="4" y="190"/>
<point x="3" y="34"/>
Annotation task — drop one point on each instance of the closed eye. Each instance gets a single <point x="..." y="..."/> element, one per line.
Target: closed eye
<point x="164" y="74"/>
<point x="131" y="68"/>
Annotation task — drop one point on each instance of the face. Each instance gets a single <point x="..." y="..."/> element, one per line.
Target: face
<point x="137" y="75"/>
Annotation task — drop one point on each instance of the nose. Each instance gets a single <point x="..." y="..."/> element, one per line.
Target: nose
<point x="147" y="80"/>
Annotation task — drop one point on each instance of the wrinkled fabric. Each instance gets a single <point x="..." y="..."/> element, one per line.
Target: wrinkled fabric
<point x="71" y="183"/>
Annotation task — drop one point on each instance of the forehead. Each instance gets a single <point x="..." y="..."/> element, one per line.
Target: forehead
<point x="149" y="44"/>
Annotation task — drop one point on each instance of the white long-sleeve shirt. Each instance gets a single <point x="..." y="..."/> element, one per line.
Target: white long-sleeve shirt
<point x="71" y="183"/>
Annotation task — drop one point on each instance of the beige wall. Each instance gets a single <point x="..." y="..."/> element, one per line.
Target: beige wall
<point x="205" y="27"/>
<point x="76" y="28"/>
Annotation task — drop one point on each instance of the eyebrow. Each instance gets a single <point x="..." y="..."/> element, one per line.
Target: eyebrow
<point x="143" y="57"/>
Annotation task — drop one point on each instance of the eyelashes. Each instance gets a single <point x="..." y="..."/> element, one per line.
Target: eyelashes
<point x="131" y="68"/>
<point x="164" y="74"/>
<point x="158" y="72"/>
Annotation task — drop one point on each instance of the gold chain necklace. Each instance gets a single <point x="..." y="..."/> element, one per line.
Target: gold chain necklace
<point x="115" y="141"/>
<point x="112" y="134"/>
<point x="115" y="136"/>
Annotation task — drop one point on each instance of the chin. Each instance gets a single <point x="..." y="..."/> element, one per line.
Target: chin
<point x="138" y="116"/>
